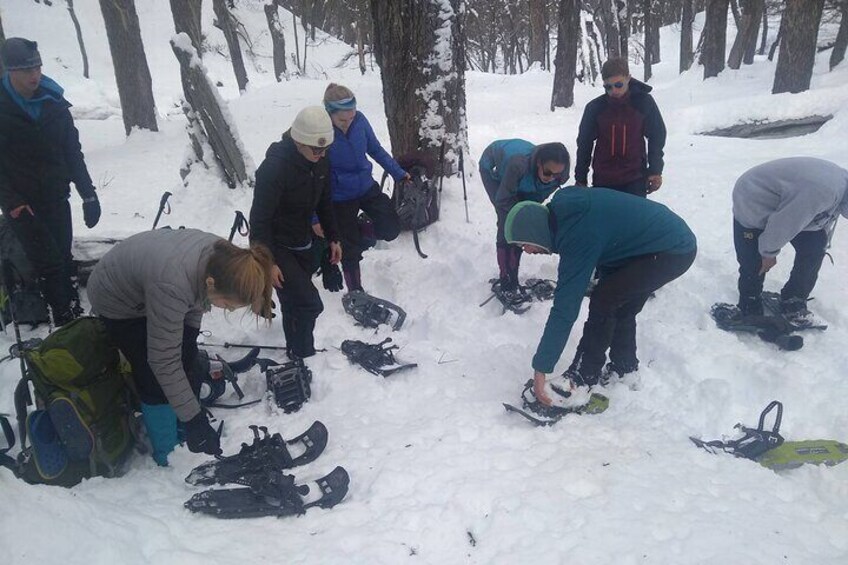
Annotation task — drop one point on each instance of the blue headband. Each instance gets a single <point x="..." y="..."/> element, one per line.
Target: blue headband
<point x="339" y="105"/>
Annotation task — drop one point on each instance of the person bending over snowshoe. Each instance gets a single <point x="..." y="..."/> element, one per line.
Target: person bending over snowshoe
<point x="293" y="184"/>
<point x="151" y="291"/>
<point x="795" y="200"/>
<point x="637" y="247"/>
<point x="353" y="187"/>
<point x="514" y="170"/>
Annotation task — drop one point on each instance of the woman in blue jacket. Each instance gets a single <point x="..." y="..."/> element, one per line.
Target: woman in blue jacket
<point x="353" y="187"/>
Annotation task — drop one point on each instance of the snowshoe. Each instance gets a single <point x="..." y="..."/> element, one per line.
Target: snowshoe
<point x="773" y="329"/>
<point x="796" y="315"/>
<point x="376" y="358"/>
<point x="370" y="311"/>
<point x="287" y="383"/>
<point x="513" y="300"/>
<point x="267" y="452"/>
<point x="213" y="387"/>
<point x="272" y="494"/>
<point x="542" y="415"/>
<point x="540" y="289"/>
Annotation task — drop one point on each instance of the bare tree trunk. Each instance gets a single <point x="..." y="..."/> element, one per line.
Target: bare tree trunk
<point x="206" y="107"/>
<point x="715" y="38"/>
<point x="80" y="40"/>
<point x="135" y="88"/>
<point x="649" y="28"/>
<point x="186" y="14"/>
<point x="838" y="53"/>
<point x="296" y="45"/>
<point x="360" y="45"/>
<point x="565" y="62"/>
<point x="751" y="49"/>
<point x="278" y="40"/>
<point x="623" y="17"/>
<point x="653" y="46"/>
<point x="746" y="34"/>
<point x="686" y="18"/>
<point x="538" y="31"/>
<point x="425" y="103"/>
<point x="764" y="36"/>
<point x="609" y="16"/>
<point x="227" y="25"/>
<point x="773" y="48"/>
<point x="797" y="55"/>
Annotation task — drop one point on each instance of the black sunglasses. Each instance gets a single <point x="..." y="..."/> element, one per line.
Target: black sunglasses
<point x="608" y="86"/>
<point x="550" y="174"/>
<point x="316" y="151"/>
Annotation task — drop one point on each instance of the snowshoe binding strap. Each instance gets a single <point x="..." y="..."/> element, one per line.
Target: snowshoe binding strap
<point x="376" y="358"/>
<point x="266" y="452"/>
<point x="289" y="385"/>
<point x="370" y="311"/>
<point x="540" y="289"/>
<point x="754" y="442"/>
<point x="212" y="388"/>
<point x="515" y="300"/>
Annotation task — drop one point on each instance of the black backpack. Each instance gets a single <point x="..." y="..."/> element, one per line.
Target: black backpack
<point x="417" y="201"/>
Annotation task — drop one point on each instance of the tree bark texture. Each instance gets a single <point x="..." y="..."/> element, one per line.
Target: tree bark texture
<point x="623" y="18"/>
<point x="746" y="33"/>
<point x="206" y="106"/>
<point x="838" y="53"/>
<point x="715" y="38"/>
<point x="135" y="88"/>
<point x="228" y="26"/>
<point x="420" y="47"/>
<point x="649" y="39"/>
<point x="797" y="54"/>
<point x="278" y="40"/>
<point x="686" y="18"/>
<point x="565" y="61"/>
<point x="764" y="34"/>
<point x="611" y="33"/>
<point x="80" y="40"/>
<point x="186" y="14"/>
<point x="538" y="31"/>
<point x="751" y="49"/>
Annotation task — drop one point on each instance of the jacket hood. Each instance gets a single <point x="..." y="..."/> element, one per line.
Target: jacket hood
<point x="528" y="222"/>
<point x="637" y="86"/>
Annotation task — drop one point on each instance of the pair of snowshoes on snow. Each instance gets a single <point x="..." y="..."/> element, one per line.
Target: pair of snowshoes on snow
<point x="266" y="490"/>
<point x="567" y="398"/>
<point x="376" y="358"/>
<point x="518" y="298"/>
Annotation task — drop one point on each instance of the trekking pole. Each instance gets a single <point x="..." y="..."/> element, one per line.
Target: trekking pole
<point x="162" y="203"/>
<point x="6" y="268"/>
<point x="441" y="166"/>
<point x="227" y="345"/>
<point x="239" y="224"/>
<point x="464" y="192"/>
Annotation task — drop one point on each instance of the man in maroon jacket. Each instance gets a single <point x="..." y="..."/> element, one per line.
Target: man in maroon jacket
<point x="613" y="132"/>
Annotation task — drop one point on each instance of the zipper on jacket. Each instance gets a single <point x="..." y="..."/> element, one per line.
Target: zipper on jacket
<point x="612" y="143"/>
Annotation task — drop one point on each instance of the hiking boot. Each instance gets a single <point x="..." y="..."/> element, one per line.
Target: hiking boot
<point x="795" y="311"/>
<point x="617" y="371"/>
<point x="751" y="306"/>
<point x="583" y="379"/>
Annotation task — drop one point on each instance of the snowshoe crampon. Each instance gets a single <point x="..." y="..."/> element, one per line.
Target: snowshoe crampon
<point x="542" y="415"/>
<point x="371" y="311"/>
<point x="773" y="329"/>
<point x="272" y="494"/>
<point x="266" y="453"/>
<point x="515" y="300"/>
<point x="376" y="358"/>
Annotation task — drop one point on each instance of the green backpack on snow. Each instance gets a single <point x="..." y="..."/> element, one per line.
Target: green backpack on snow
<point x="83" y="424"/>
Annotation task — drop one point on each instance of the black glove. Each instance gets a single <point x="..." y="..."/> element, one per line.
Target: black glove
<point x="91" y="210"/>
<point x="331" y="275"/>
<point x="201" y="437"/>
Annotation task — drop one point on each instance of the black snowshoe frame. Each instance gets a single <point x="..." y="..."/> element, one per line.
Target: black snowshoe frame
<point x="288" y="384"/>
<point x="376" y="358"/>
<point x="520" y="299"/>
<point x="371" y="311"/>
<point x="542" y="415"/>
<point x="754" y="441"/>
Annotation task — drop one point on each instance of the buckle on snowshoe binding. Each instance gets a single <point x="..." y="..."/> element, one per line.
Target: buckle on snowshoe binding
<point x="371" y="311"/>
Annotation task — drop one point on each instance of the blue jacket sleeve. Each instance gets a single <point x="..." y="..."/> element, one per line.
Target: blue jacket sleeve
<point x="381" y="155"/>
<point x="575" y="270"/>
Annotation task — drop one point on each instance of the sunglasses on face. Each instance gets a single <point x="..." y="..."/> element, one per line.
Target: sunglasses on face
<point x="550" y="174"/>
<point x="317" y="151"/>
<point x="610" y="86"/>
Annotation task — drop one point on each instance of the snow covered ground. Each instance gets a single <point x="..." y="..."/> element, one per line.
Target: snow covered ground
<point x="439" y="473"/>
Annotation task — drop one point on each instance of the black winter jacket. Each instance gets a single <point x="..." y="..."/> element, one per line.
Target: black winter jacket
<point x="39" y="158"/>
<point x="618" y="129"/>
<point x="289" y="190"/>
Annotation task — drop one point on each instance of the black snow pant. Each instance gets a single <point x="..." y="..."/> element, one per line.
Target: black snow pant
<point x="508" y="256"/>
<point x="130" y="336"/>
<point x="300" y="303"/>
<point x="638" y="187"/>
<point x="46" y="237"/>
<point x="620" y="295"/>
<point x="378" y="207"/>
<point x="810" y="249"/>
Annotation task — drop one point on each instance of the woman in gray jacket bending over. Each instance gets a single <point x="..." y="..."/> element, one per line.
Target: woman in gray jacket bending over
<point x="151" y="292"/>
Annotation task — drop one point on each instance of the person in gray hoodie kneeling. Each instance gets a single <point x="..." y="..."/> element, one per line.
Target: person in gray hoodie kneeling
<point x="795" y="200"/>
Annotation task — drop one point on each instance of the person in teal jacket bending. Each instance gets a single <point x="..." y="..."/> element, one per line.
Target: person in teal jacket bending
<point x="637" y="246"/>
<point x="514" y="170"/>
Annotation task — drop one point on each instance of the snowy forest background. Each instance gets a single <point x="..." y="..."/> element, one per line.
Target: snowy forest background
<point x="439" y="473"/>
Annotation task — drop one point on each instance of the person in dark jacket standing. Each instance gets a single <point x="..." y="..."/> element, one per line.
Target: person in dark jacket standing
<point x="613" y="132"/>
<point x="354" y="188"/>
<point x="40" y="154"/>
<point x="514" y="170"/>
<point x="794" y="200"/>
<point x="293" y="184"/>
<point x="636" y="245"/>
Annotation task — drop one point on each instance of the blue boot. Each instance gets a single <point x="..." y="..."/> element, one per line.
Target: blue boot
<point x="161" y="423"/>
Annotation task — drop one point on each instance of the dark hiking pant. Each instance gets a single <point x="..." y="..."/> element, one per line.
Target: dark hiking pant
<point x="809" y="254"/>
<point x="130" y="336"/>
<point x="300" y="303"/>
<point x="378" y="207"/>
<point x="620" y="295"/>
<point x="638" y="187"/>
<point x="509" y="256"/>
<point x="46" y="237"/>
